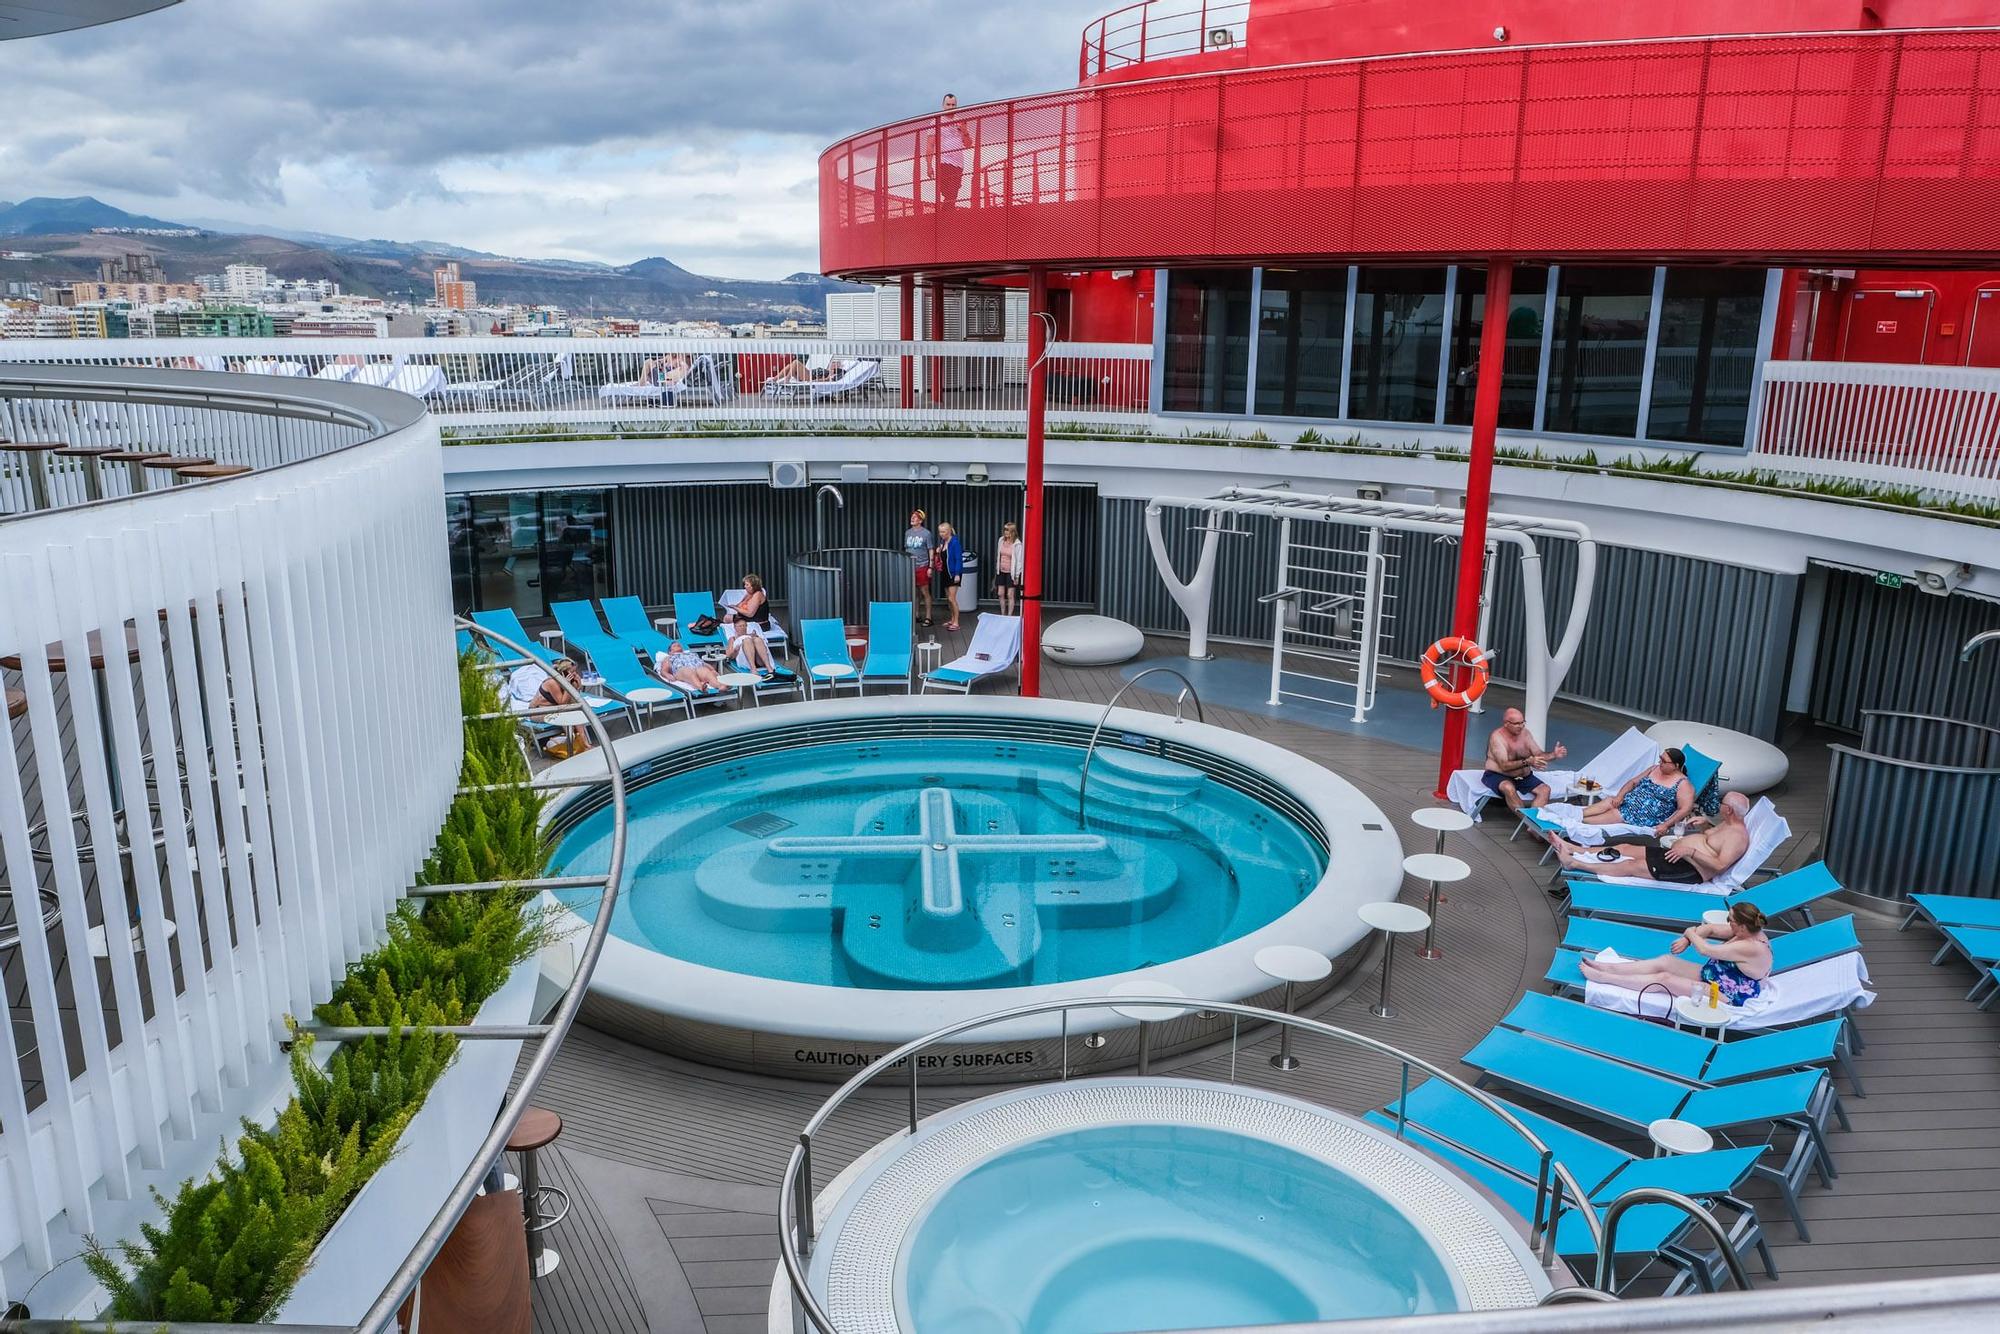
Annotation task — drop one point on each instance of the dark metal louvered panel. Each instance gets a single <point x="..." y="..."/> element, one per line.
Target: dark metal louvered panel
<point x="1897" y="648"/>
<point x="1895" y="828"/>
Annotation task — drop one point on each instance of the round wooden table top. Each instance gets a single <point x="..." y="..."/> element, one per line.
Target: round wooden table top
<point x="133" y="455"/>
<point x="87" y="451"/>
<point x="57" y="663"/>
<point x="34" y="446"/>
<point x="17" y="702"/>
<point x="204" y="471"/>
<point x="173" y="462"/>
<point x="536" y="1129"/>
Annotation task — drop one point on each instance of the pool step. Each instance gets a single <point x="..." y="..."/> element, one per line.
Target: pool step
<point x="890" y="944"/>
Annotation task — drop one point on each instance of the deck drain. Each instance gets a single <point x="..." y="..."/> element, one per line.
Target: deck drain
<point x="761" y="825"/>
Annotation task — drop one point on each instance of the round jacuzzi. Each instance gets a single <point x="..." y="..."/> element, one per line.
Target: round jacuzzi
<point x="809" y="885"/>
<point x="1110" y="1205"/>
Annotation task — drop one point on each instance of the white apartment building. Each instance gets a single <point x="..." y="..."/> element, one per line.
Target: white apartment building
<point x="245" y="282"/>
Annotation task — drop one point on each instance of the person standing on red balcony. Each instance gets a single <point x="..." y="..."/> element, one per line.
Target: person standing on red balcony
<point x="954" y="153"/>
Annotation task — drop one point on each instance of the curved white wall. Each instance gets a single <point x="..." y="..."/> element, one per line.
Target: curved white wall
<point x="310" y="603"/>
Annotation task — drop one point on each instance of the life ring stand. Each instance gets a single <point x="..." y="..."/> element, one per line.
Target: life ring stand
<point x="1451" y="652"/>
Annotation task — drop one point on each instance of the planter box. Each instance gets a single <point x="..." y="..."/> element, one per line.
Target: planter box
<point x="381" y="1225"/>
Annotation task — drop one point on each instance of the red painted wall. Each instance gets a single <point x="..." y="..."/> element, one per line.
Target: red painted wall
<point x="1900" y="316"/>
<point x="1286" y="32"/>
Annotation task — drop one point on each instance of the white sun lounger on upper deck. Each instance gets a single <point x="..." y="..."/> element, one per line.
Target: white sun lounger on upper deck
<point x="1624" y="759"/>
<point x="996" y="643"/>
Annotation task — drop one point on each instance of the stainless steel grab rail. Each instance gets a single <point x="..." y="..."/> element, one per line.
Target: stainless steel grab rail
<point x="1606" y="1263"/>
<point x="1090" y="750"/>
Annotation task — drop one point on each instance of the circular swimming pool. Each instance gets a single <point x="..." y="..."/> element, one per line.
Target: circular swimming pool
<point x="1115" y="1205"/>
<point x="863" y="871"/>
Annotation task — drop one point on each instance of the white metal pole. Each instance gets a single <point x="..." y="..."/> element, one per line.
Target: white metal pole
<point x="1278" y="608"/>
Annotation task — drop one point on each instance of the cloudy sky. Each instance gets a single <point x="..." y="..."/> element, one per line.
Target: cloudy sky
<point x="581" y="129"/>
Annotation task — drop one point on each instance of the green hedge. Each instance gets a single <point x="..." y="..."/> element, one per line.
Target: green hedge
<point x="233" y="1244"/>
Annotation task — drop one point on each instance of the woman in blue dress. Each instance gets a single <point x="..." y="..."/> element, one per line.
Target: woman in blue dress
<point x="1652" y="803"/>
<point x="1735" y="955"/>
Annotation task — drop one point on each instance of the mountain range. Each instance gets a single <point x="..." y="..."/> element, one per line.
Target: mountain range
<point x="59" y="232"/>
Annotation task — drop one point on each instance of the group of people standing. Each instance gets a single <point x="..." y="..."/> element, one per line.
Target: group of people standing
<point x="937" y="562"/>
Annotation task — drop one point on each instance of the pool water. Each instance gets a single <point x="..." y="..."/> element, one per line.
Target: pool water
<point x="923" y="863"/>
<point x="1160" y="1227"/>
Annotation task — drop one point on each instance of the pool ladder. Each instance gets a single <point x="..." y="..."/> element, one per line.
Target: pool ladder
<point x="1090" y="751"/>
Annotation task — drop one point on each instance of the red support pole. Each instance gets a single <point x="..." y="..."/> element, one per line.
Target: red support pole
<point x="936" y="335"/>
<point x="1478" y="494"/>
<point x="1031" y="524"/>
<point x="906" y="329"/>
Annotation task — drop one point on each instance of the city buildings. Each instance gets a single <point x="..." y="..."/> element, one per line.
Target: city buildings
<point x="451" y="291"/>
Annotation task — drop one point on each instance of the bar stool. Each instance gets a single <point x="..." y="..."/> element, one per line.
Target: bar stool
<point x="1292" y="965"/>
<point x="35" y="467"/>
<point x="537" y="1129"/>
<point x="93" y="480"/>
<point x="169" y="464"/>
<point x="1443" y="819"/>
<point x="1436" y="868"/>
<point x="134" y="461"/>
<point x="208" y="472"/>
<point x="1147" y="1015"/>
<point x="1391" y="919"/>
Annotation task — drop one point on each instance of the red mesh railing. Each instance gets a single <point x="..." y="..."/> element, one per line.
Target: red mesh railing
<point x="1844" y="147"/>
<point x="1160" y="29"/>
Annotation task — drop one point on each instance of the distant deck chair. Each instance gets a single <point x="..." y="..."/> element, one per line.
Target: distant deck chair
<point x="823" y="641"/>
<point x="1782" y="896"/>
<point x="890" y="634"/>
<point x="996" y="646"/>
<point x="1768" y="832"/>
<point x="581" y="630"/>
<point x="628" y="620"/>
<point x="503" y="621"/>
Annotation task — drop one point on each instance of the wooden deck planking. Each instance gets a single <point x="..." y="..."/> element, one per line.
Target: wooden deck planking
<point x="1919" y="1190"/>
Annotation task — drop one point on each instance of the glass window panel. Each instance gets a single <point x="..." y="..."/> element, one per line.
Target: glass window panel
<point x="1301" y="333"/>
<point x="1523" y="365"/>
<point x="1707" y="355"/>
<point x="1598" y="357"/>
<point x="460" y="540"/>
<point x="576" y="545"/>
<point x="506" y="566"/>
<point x="1208" y="341"/>
<point x="1398" y="329"/>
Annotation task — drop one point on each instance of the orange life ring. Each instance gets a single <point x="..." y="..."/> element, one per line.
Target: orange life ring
<point x="1449" y="652"/>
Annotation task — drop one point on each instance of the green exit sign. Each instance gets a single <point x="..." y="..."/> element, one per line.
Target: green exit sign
<point x="1888" y="579"/>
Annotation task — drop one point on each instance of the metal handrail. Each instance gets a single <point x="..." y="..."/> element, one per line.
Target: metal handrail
<point x="1608" y="1234"/>
<point x="381" y="1314"/>
<point x="1090" y="750"/>
<point x="795" y="1191"/>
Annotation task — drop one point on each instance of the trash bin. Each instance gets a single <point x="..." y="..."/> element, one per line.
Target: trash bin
<point x="968" y="583"/>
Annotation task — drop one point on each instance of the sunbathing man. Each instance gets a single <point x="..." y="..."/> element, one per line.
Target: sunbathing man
<point x="797" y="369"/>
<point x="1736" y="956"/>
<point x="1512" y="756"/>
<point x="1693" y="860"/>
<point x="684" y="667"/>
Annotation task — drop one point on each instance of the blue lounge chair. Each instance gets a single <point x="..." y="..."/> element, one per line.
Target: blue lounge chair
<point x="582" y="631"/>
<point x="1978" y="946"/>
<point x="1443" y="1113"/>
<point x="1689" y="1056"/>
<point x="625" y="678"/>
<point x="691" y="607"/>
<point x="1792" y="892"/>
<point x="503" y="621"/>
<point x="890" y="631"/>
<point x="628" y="620"/>
<point x="1632" y="1099"/>
<point x="824" y="642"/>
<point x="1943" y="910"/>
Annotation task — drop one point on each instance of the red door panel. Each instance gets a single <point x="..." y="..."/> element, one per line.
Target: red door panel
<point x="1982" y="348"/>
<point x="1888" y="325"/>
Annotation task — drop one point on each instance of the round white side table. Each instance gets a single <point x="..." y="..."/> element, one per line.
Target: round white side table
<point x="550" y="638"/>
<point x="1442" y="820"/>
<point x="1673" y="1136"/>
<point x="1290" y="964"/>
<point x="1437" y="869"/>
<point x="649" y="698"/>
<point x="1391" y="919"/>
<point x="931" y="651"/>
<point x="740" y="682"/>
<point x="1147" y="1015"/>
<point x="832" y="673"/>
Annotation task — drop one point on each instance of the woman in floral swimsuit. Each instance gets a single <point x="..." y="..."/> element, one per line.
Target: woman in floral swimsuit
<point x="1736" y="956"/>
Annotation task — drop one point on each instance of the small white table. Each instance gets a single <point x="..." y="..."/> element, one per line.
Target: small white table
<point x="1443" y="820"/>
<point x="832" y="673"/>
<point x="666" y="625"/>
<point x="1147" y="1015"/>
<point x="1391" y="919"/>
<point x="1696" y="1012"/>
<point x="650" y="698"/>
<point x="1290" y="964"/>
<point x="1437" y="869"/>
<point x="740" y="682"/>
<point x="550" y="638"/>
<point x="568" y="719"/>
<point x="1673" y="1136"/>
<point x="930" y="649"/>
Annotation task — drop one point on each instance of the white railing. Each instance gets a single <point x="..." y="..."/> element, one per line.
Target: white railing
<point x="518" y="385"/>
<point x="266" y="752"/>
<point x="1934" y="428"/>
